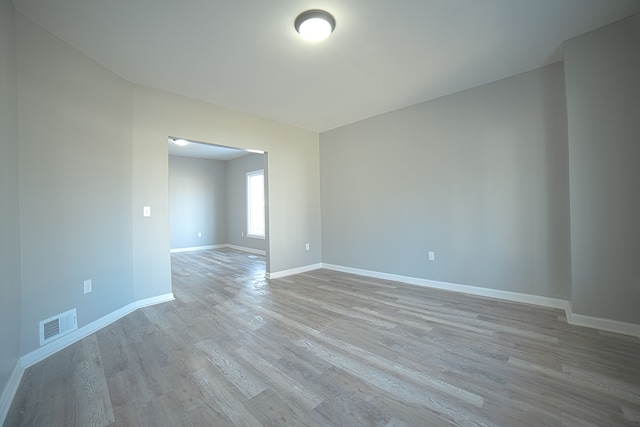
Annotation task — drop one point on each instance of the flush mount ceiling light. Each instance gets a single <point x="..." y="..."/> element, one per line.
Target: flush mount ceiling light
<point x="180" y="142"/>
<point x="315" y="25"/>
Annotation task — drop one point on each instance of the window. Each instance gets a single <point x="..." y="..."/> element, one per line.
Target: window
<point x="255" y="204"/>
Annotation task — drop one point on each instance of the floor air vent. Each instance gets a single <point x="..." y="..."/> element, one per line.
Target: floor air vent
<point x="58" y="326"/>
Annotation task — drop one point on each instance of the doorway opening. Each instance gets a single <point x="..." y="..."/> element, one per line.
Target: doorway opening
<point x="209" y="201"/>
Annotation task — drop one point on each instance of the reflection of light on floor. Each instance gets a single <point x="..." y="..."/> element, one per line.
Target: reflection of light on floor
<point x="253" y="256"/>
<point x="259" y="320"/>
<point x="260" y="287"/>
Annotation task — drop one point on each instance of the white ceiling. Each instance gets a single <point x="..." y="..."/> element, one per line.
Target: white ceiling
<point x="383" y="54"/>
<point x="205" y="151"/>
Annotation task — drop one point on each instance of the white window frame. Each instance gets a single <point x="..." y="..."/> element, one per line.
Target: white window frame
<point x="250" y="229"/>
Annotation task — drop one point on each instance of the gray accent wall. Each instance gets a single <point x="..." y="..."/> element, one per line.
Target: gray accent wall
<point x="237" y="200"/>
<point x="479" y="177"/>
<point x="197" y="201"/>
<point x="603" y="96"/>
<point x="75" y="183"/>
<point x="9" y="219"/>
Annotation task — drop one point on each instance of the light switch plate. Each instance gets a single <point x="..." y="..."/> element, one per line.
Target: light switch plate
<point x="146" y="211"/>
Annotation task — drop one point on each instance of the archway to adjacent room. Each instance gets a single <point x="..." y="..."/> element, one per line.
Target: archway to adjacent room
<point x="214" y="198"/>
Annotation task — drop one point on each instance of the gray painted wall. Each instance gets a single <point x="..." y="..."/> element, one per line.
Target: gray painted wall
<point x="197" y="201"/>
<point x="93" y="152"/>
<point x="479" y="177"/>
<point x="75" y="183"/>
<point x="210" y="196"/>
<point x="603" y="97"/>
<point x="9" y="221"/>
<point x="237" y="200"/>
<point x="293" y="184"/>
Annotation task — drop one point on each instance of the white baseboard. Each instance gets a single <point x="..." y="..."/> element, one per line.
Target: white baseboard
<point x="196" y="248"/>
<point x="285" y="273"/>
<point x="572" y="318"/>
<point x="9" y="391"/>
<point x="53" y="347"/>
<point x="604" y="324"/>
<point x="467" y="289"/>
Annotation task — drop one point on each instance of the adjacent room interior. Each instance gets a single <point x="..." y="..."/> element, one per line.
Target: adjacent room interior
<point x="211" y="204"/>
<point x="450" y="231"/>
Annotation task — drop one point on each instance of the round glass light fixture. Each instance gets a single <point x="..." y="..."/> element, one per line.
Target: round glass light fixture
<point x="180" y="142"/>
<point x="315" y="25"/>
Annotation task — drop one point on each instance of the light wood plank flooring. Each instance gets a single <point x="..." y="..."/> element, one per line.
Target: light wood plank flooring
<point x="331" y="349"/>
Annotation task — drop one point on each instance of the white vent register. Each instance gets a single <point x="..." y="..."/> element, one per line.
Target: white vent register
<point x="58" y="326"/>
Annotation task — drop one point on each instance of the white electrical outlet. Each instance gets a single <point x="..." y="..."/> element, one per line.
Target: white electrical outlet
<point x="199" y="233"/>
<point x="432" y="256"/>
<point x="307" y="246"/>
<point x="242" y="234"/>
<point x="88" y="287"/>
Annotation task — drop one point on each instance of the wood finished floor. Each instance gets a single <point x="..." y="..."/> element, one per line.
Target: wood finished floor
<point x="331" y="349"/>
